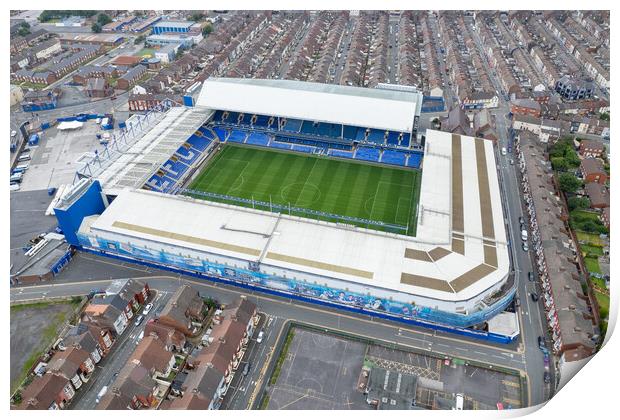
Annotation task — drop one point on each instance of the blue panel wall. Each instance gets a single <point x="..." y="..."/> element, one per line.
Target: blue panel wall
<point x="89" y="203"/>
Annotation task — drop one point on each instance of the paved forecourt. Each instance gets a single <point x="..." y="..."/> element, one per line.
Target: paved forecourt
<point x="344" y="188"/>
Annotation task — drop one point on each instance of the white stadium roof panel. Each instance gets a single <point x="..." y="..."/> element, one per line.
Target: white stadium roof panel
<point x="363" y="107"/>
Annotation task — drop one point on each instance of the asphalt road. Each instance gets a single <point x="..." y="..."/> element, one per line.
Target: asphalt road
<point x="532" y="313"/>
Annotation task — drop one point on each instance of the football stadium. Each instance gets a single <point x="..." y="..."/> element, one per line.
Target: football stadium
<point x="316" y="192"/>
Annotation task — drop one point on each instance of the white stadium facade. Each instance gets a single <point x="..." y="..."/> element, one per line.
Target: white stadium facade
<point x="454" y="274"/>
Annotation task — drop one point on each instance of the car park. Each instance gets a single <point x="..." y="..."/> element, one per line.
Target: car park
<point x="139" y="320"/>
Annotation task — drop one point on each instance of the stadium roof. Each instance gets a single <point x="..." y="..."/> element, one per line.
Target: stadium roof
<point x="459" y="253"/>
<point x="363" y="107"/>
<point x="132" y="167"/>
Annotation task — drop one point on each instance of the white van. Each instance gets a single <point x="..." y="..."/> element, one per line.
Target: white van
<point x="524" y="235"/>
<point x="101" y="393"/>
<point x="503" y="151"/>
<point x="459" y="401"/>
<point x="14" y="187"/>
<point x="23" y="157"/>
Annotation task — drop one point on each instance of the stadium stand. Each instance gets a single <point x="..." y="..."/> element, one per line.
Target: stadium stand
<point x="222" y="133"/>
<point x="279" y="145"/>
<point x="292" y="125"/>
<point x="369" y="154"/>
<point x="376" y="136"/>
<point x="414" y="160"/>
<point x="304" y="149"/>
<point x="394" y="157"/>
<point x="259" y="139"/>
<point x="392" y="138"/>
<point x="340" y="153"/>
<point x="237" y="136"/>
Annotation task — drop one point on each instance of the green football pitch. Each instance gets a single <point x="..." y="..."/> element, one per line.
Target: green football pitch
<point x="320" y="184"/>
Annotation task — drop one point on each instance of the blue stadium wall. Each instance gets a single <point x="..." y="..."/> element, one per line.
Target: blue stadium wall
<point x="90" y="202"/>
<point x="299" y="289"/>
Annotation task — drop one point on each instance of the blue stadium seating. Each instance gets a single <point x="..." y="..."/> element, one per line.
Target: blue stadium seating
<point x="174" y="169"/>
<point x="340" y="153"/>
<point x="278" y="145"/>
<point x="292" y="125"/>
<point x="405" y="141"/>
<point x="376" y="136"/>
<point x="187" y="156"/>
<point x="232" y="117"/>
<point x="392" y="139"/>
<point x="222" y="133"/>
<point x="368" y="153"/>
<point x="414" y="160"/>
<point x="308" y="128"/>
<point x="304" y="149"/>
<point x="246" y="120"/>
<point x="394" y="157"/>
<point x="261" y="121"/>
<point x="361" y="134"/>
<point x="199" y="143"/>
<point x="237" y="136"/>
<point x="350" y="132"/>
<point x="217" y="116"/>
<point x="260" y="139"/>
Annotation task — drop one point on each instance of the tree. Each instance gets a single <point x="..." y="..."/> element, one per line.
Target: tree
<point x="139" y="39"/>
<point x="196" y="17"/>
<point x="572" y="159"/>
<point x="578" y="203"/>
<point x="604" y="116"/>
<point x="559" y="164"/>
<point x="103" y="19"/>
<point x="96" y="28"/>
<point x="208" y="28"/>
<point x="569" y="182"/>
<point x="23" y="31"/>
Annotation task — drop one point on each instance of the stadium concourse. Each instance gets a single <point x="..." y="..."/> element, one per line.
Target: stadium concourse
<point x="313" y="192"/>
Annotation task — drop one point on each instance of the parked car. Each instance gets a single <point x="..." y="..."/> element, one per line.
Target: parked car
<point x="530" y="276"/>
<point x="546" y="360"/>
<point x="517" y="302"/>
<point x="534" y="296"/>
<point x="246" y="369"/>
<point x="521" y="220"/>
<point x="547" y="377"/>
<point x="259" y="339"/>
<point x="525" y="247"/>
<point x="541" y="341"/>
<point x="139" y="320"/>
<point x="147" y="309"/>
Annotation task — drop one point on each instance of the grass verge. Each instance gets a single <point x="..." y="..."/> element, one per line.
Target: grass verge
<point x="281" y="358"/>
